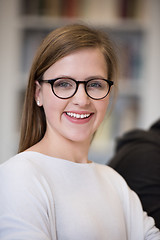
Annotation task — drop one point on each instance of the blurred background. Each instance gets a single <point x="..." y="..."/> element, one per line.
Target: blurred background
<point x="133" y="25"/>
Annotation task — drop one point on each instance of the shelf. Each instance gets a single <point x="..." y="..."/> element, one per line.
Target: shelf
<point x="50" y="22"/>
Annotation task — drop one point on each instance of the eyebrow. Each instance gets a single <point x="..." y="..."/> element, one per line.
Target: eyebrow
<point x="86" y="79"/>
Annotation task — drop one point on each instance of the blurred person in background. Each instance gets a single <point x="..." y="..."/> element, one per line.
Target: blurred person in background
<point x="137" y="159"/>
<point x="51" y="190"/>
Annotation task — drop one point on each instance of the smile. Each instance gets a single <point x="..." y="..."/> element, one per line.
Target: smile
<point x="76" y="115"/>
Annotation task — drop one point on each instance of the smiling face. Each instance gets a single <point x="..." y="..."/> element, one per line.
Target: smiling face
<point x="76" y="118"/>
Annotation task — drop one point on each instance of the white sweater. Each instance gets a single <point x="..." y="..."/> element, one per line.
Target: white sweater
<point x="45" y="198"/>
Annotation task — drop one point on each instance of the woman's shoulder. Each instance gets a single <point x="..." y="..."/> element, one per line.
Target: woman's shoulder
<point x="112" y="178"/>
<point x="18" y="168"/>
<point x="109" y="173"/>
<point x="21" y="177"/>
<point x="17" y="162"/>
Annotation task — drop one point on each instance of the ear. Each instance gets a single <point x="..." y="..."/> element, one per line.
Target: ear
<point x="38" y="97"/>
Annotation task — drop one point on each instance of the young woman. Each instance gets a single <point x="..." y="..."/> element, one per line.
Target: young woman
<point x="51" y="190"/>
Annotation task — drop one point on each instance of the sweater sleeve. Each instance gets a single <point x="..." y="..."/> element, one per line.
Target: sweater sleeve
<point x="150" y="232"/>
<point x="140" y="167"/>
<point x="139" y="224"/>
<point x="24" y="202"/>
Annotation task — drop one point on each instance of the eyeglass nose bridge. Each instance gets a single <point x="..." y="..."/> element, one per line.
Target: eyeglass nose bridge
<point x="77" y="86"/>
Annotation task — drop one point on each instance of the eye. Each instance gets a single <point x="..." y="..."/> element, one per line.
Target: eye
<point x="64" y="83"/>
<point x="95" y="84"/>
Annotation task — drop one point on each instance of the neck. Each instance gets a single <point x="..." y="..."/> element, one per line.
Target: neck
<point x="63" y="148"/>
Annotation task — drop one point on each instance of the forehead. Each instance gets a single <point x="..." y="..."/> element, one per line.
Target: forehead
<point x="80" y="62"/>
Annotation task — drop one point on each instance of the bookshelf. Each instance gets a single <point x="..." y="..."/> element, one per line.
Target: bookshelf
<point x="133" y="27"/>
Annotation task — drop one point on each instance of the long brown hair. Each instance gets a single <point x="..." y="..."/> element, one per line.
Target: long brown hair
<point x="55" y="46"/>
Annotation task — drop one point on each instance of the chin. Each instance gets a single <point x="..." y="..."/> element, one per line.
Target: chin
<point x="80" y="138"/>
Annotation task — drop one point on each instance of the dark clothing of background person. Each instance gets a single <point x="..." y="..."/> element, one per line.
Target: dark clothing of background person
<point x="137" y="159"/>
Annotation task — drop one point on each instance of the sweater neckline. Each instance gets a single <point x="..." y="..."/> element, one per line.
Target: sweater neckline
<point x="42" y="155"/>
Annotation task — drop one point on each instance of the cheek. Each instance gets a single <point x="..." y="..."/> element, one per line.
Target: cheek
<point x="54" y="108"/>
<point x="49" y="101"/>
<point x="102" y="106"/>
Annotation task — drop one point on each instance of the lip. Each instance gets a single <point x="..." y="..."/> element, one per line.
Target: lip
<point x="80" y="114"/>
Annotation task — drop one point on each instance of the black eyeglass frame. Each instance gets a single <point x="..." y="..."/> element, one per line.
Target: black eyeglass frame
<point x="52" y="81"/>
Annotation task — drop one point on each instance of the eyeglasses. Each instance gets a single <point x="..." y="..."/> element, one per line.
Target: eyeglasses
<point x="65" y="88"/>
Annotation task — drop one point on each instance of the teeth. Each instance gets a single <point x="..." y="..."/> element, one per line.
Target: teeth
<point x="75" y="115"/>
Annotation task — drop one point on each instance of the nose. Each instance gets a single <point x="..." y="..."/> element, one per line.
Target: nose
<point x="81" y="98"/>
